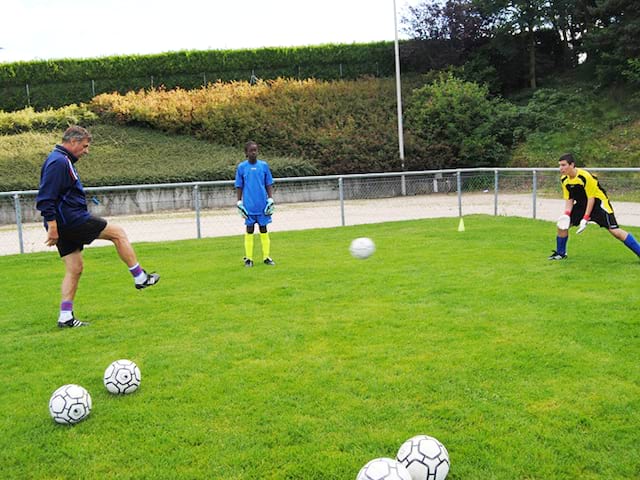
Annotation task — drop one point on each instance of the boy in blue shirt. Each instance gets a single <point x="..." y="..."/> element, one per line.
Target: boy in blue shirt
<point x="254" y="187"/>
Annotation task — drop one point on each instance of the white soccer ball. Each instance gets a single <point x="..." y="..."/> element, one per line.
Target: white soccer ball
<point x="383" y="469"/>
<point x="122" y="376"/>
<point x="362" y="247"/>
<point x="70" y="404"/>
<point x="425" y="458"/>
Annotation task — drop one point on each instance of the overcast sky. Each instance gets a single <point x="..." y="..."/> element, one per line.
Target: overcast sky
<point x="56" y="29"/>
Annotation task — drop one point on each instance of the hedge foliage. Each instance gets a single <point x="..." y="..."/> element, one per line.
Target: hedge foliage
<point x="55" y="83"/>
<point x="27" y="119"/>
<point x="342" y="126"/>
<point x="315" y="127"/>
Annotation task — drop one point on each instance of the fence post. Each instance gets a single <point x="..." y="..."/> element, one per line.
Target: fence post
<point x="93" y="88"/>
<point x="459" y="186"/>
<point x="341" y="190"/>
<point x="196" y="204"/>
<point x="340" y="70"/>
<point x="495" y="193"/>
<point x="28" y="95"/>
<point x="16" y="199"/>
<point x="535" y="188"/>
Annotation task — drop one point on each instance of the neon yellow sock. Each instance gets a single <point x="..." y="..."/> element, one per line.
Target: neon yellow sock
<point x="266" y="245"/>
<point x="248" y="245"/>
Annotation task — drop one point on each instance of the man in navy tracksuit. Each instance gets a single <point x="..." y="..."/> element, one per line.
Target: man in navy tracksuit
<point x="70" y="226"/>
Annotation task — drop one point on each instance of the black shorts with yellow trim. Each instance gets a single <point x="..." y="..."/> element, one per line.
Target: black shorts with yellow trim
<point x="598" y="215"/>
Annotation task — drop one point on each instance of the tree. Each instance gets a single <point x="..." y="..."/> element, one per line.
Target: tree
<point x="458" y="21"/>
<point x="519" y="17"/>
<point x="570" y="19"/>
<point x="473" y="24"/>
<point x="613" y="39"/>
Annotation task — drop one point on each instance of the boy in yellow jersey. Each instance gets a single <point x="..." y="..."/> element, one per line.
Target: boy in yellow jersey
<point x="585" y="201"/>
<point x="254" y="186"/>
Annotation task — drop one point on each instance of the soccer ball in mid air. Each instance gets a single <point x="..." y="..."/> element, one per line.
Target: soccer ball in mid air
<point x="122" y="376"/>
<point x="425" y="458"/>
<point x="362" y="247"/>
<point x="70" y="404"/>
<point x="383" y="469"/>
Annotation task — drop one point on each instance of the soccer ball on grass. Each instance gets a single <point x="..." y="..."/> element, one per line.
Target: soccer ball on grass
<point x="425" y="458"/>
<point x="70" y="404"/>
<point x="122" y="376"/>
<point x="383" y="469"/>
<point x="362" y="247"/>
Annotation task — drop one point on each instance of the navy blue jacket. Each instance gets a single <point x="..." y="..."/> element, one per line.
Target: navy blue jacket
<point x="61" y="194"/>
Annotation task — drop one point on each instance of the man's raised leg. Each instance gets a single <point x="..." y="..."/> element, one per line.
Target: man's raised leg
<point x="118" y="236"/>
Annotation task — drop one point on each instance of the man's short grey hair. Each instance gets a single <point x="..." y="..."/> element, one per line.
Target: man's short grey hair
<point x="77" y="133"/>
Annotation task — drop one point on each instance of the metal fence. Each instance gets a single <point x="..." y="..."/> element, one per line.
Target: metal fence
<point x="174" y="211"/>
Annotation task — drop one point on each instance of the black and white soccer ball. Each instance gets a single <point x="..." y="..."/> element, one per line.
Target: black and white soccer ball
<point x="425" y="458"/>
<point x="362" y="247"/>
<point x="383" y="469"/>
<point x="70" y="404"/>
<point x="122" y="376"/>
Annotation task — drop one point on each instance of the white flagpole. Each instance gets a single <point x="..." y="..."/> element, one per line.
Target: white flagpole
<point x="399" y="96"/>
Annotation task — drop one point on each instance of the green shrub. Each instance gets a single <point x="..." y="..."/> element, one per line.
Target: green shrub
<point x="466" y="126"/>
<point x="27" y="119"/>
<point x="342" y="126"/>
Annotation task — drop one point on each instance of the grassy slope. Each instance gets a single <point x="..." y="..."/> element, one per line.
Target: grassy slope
<point x="601" y="127"/>
<point x="310" y="369"/>
<point x="611" y="146"/>
<point x="128" y="155"/>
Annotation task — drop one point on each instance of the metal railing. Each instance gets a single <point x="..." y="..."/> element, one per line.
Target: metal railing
<point x="170" y="211"/>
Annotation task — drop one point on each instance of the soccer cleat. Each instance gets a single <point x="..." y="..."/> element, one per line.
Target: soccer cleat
<point x="557" y="256"/>
<point x="72" y="323"/>
<point x="152" y="279"/>
<point x="248" y="262"/>
<point x="269" y="261"/>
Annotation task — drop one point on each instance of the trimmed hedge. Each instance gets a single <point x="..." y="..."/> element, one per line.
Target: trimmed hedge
<point x="342" y="126"/>
<point x="27" y="119"/>
<point x="54" y="83"/>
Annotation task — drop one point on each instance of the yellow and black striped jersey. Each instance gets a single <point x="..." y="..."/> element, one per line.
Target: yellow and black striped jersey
<point x="584" y="185"/>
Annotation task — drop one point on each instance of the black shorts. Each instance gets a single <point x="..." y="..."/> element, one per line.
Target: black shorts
<point x="72" y="239"/>
<point x="598" y="215"/>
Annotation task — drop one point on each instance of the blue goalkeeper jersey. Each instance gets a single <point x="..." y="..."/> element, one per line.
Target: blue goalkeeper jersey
<point x="253" y="179"/>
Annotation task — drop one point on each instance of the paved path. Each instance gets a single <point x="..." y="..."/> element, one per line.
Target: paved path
<point x="300" y="216"/>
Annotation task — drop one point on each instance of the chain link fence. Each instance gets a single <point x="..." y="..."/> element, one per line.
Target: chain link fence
<point x="178" y="211"/>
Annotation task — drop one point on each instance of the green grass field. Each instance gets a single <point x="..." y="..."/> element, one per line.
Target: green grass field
<point x="523" y="368"/>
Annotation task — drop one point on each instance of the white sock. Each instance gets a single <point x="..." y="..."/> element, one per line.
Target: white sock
<point x="65" y="315"/>
<point x="141" y="278"/>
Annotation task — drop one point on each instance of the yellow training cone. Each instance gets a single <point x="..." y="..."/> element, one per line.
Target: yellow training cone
<point x="461" y="225"/>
